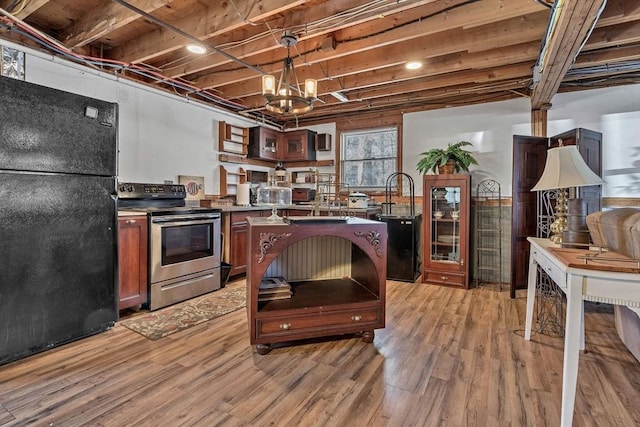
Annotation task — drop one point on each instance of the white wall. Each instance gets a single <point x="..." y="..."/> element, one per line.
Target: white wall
<point x="615" y="112"/>
<point x="162" y="136"/>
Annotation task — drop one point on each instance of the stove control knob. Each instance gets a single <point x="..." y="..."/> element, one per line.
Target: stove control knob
<point x="130" y="188"/>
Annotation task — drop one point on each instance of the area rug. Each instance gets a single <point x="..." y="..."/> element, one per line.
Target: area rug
<point x="169" y="320"/>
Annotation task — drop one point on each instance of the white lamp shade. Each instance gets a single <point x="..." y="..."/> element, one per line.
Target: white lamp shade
<point x="566" y="168"/>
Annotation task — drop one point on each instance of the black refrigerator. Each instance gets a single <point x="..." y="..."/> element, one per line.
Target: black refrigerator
<point x="57" y="217"/>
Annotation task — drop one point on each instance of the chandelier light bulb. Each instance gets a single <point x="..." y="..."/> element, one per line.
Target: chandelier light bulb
<point x="310" y="88"/>
<point x="268" y="85"/>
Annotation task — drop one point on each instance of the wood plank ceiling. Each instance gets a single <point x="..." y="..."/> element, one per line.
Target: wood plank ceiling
<point x="472" y="51"/>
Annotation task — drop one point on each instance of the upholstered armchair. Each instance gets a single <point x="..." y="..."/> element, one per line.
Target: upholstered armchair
<point x="619" y="230"/>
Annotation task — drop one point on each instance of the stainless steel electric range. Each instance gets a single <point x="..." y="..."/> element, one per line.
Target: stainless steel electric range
<point x="184" y="242"/>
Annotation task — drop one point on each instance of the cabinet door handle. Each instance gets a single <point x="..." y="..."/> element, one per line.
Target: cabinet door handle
<point x="356" y="318"/>
<point x="131" y="221"/>
<point x="285" y="325"/>
<point x="462" y="262"/>
<point x="444" y="278"/>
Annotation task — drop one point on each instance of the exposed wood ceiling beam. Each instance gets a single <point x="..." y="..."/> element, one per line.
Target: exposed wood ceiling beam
<point x="101" y="21"/>
<point x="266" y="39"/>
<point x="440" y="65"/>
<point x="26" y="10"/>
<point x="607" y="56"/>
<point x="412" y="88"/>
<point x="220" y="17"/>
<point x="574" y="21"/>
<point x="509" y="32"/>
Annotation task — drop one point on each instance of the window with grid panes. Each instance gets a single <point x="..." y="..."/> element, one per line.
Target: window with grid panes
<point x="368" y="157"/>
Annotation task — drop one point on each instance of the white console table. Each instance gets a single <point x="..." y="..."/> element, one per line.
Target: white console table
<point x="579" y="285"/>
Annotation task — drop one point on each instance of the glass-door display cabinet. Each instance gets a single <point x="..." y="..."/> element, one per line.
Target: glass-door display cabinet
<point x="446" y="221"/>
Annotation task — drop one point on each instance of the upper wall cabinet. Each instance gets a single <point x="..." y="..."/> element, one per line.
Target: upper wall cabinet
<point x="264" y="143"/>
<point x="298" y="145"/>
<point x="268" y="144"/>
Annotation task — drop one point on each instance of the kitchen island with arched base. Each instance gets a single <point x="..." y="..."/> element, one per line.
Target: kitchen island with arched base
<point x="336" y="268"/>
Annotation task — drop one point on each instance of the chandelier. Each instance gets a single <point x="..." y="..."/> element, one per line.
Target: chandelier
<point x="287" y="98"/>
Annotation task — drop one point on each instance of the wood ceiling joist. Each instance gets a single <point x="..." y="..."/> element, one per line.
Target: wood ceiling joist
<point x="265" y="38"/>
<point x="298" y="19"/>
<point x="28" y="9"/>
<point x="520" y="72"/>
<point x="607" y="56"/>
<point x="220" y="17"/>
<point x="99" y="22"/>
<point x="436" y="98"/>
<point x="619" y="11"/>
<point x="614" y="35"/>
<point x="509" y="32"/>
<point x="432" y="67"/>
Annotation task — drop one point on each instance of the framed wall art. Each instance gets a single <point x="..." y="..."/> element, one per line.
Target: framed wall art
<point x="12" y="63"/>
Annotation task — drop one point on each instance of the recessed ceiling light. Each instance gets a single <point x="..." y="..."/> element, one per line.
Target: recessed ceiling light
<point x="413" y="65"/>
<point x="196" y="48"/>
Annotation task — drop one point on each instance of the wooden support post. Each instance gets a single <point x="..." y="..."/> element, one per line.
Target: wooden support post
<point x="539" y="122"/>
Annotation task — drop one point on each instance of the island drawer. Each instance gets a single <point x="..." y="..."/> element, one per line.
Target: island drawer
<point x="338" y="321"/>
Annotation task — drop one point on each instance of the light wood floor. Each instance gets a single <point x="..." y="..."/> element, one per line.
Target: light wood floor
<point x="447" y="357"/>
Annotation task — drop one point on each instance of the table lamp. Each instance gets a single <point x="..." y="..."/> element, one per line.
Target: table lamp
<point x="564" y="168"/>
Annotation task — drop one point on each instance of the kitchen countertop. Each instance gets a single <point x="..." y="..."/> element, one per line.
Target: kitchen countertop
<point x="309" y="208"/>
<point x="372" y="209"/>
<point x="131" y="213"/>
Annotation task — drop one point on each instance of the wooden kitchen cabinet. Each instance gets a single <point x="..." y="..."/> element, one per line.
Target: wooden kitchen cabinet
<point x="264" y="143"/>
<point x="298" y="212"/>
<point x="234" y="226"/>
<point x="298" y="145"/>
<point x="446" y="211"/>
<point x="132" y="261"/>
<point x="268" y="144"/>
<point x="322" y="304"/>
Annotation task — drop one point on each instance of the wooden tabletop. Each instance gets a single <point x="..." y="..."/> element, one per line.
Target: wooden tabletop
<point x="595" y="260"/>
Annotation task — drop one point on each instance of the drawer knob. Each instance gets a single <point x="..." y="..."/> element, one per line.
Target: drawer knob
<point x="356" y="318"/>
<point x="131" y="221"/>
<point x="285" y="325"/>
<point x="444" y="278"/>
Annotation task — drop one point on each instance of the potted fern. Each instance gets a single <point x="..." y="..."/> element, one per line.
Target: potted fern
<point x="452" y="159"/>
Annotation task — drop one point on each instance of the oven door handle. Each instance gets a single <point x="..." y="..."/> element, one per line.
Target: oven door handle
<point x="200" y="219"/>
